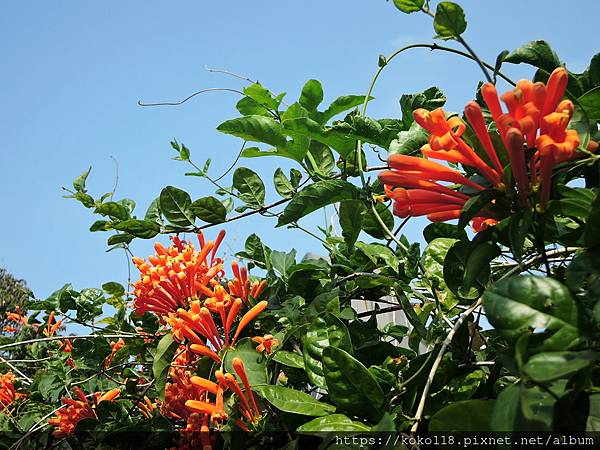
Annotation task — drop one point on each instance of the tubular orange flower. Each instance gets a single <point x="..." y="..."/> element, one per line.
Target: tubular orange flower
<point x="115" y="347"/>
<point x="238" y="366"/>
<point x="67" y="418"/>
<point x="17" y="317"/>
<point x="203" y="350"/>
<point x="7" y="390"/>
<point x="249" y="317"/>
<point x="51" y="327"/>
<point x="536" y="119"/>
<point x="175" y="275"/>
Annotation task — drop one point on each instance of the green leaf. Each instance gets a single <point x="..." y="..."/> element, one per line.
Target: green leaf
<point x="256" y="129"/>
<point x="339" y="105"/>
<point x="590" y="102"/>
<point x="165" y="351"/>
<point x="283" y="185"/>
<point x="306" y="127"/>
<point x="591" y="237"/>
<point x="549" y="366"/>
<point x="409" y="141"/>
<point x="254" y="362"/>
<point x="351" y="220"/>
<point x="250" y="187"/>
<point x="475" y="204"/>
<point x="113" y="288"/>
<point x="79" y="182"/>
<point x="263" y="96"/>
<point x="463" y="416"/>
<point x="121" y="238"/>
<point x="256" y="251"/>
<point x="324" y="331"/>
<point x="311" y="95"/>
<point x="467" y="266"/>
<point x="290" y="359"/>
<point x="293" y="401"/>
<point x="209" y="209"/>
<point x="332" y="423"/>
<point x="113" y="210"/>
<point x="316" y="196"/>
<point x="320" y="160"/>
<point x="535" y="53"/>
<point x="449" y="21"/>
<point x="371" y="225"/>
<point x="153" y="212"/>
<point x="139" y="228"/>
<point x="515" y="306"/>
<point x="351" y="386"/>
<point x="288" y="151"/>
<point x="175" y="206"/>
<point x="282" y="261"/>
<point x="409" y="6"/>
<point x="433" y="258"/>
<point x="517" y="231"/>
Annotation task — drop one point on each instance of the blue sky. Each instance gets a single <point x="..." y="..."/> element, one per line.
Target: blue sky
<point x="73" y="72"/>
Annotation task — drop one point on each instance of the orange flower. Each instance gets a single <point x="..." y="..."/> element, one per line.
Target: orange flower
<point x="17" y="317"/>
<point x="51" y="327"/>
<point x="67" y="418"/>
<point x="265" y="343"/>
<point x="115" y="347"/>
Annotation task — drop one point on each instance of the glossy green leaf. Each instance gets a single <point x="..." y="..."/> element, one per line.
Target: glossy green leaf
<point x="339" y="105"/>
<point x="79" y="182"/>
<point x="209" y="209"/>
<point x="311" y="95"/>
<point x="153" y="211"/>
<point x="165" y="351"/>
<point x="283" y="185"/>
<point x="351" y="220"/>
<point x="515" y="306"/>
<point x="144" y="229"/>
<point x="463" y="416"/>
<point x="332" y="423"/>
<point x="517" y="231"/>
<point x="449" y="21"/>
<point x="293" y="401"/>
<point x="324" y="331"/>
<point x="409" y="6"/>
<point x="535" y="53"/>
<point x="113" y="210"/>
<point x="308" y="128"/>
<point x="254" y="362"/>
<point x="549" y="366"/>
<point x="289" y="359"/>
<point x="371" y="225"/>
<point x="350" y="385"/>
<point x="590" y="102"/>
<point x="410" y="141"/>
<point x="316" y="196"/>
<point x="256" y="129"/>
<point x="175" y="206"/>
<point x="250" y="187"/>
<point x="591" y="237"/>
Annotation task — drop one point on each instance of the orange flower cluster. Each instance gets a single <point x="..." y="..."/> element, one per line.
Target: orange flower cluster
<point x="115" y="347"/>
<point x="536" y="124"/>
<point x="7" y="390"/>
<point x="206" y="313"/>
<point x="51" y="326"/>
<point x="179" y="274"/>
<point x="200" y="402"/>
<point x="19" y="320"/>
<point x="67" y="418"/>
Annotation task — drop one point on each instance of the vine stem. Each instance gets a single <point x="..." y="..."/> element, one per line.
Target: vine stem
<point x="83" y="336"/>
<point x="438" y="360"/>
<point x="525" y="264"/>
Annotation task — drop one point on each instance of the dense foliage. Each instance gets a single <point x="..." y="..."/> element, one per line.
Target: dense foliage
<point x="502" y="305"/>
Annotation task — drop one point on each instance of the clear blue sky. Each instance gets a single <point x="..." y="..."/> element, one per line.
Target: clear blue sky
<point x="73" y="71"/>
